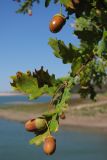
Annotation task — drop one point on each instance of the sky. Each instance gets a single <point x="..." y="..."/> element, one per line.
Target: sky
<point x="24" y="41"/>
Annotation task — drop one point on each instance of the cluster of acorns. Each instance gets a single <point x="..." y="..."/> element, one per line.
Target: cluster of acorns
<point x="40" y="125"/>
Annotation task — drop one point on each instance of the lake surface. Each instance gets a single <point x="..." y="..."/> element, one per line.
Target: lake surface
<point x="72" y="144"/>
<point x="21" y="99"/>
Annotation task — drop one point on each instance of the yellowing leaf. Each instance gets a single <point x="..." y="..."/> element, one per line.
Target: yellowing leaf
<point x="67" y="3"/>
<point x="35" y="85"/>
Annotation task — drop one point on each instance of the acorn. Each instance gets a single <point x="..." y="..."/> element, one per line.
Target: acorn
<point x="49" y="146"/>
<point x="62" y="116"/>
<point x="57" y="23"/>
<point x="19" y="75"/>
<point x="34" y="125"/>
<point x="28" y="73"/>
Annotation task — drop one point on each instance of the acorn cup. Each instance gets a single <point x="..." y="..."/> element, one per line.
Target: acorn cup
<point x="57" y="23"/>
<point x="49" y="145"/>
<point x="36" y="125"/>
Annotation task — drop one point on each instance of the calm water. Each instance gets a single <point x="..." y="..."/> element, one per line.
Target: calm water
<point x="72" y="144"/>
<point x="21" y="99"/>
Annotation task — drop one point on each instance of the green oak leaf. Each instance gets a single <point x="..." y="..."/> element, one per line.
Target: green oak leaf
<point x="53" y="124"/>
<point x="76" y="65"/>
<point x="83" y="23"/>
<point x="32" y="86"/>
<point x="66" y="53"/>
<point x="63" y="104"/>
<point x="87" y="30"/>
<point x="43" y="77"/>
<point x="39" y="138"/>
<point x="102" y="47"/>
<point x="24" y="6"/>
<point x="49" y="114"/>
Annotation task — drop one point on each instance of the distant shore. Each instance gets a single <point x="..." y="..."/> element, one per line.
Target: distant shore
<point x="81" y="113"/>
<point x="71" y="121"/>
<point x="10" y="94"/>
<point x="14" y="94"/>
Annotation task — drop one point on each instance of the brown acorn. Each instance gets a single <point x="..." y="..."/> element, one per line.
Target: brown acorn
<point x="49" y="146"/>
<point x="57" y="23"/>
<point x="34" y="125"/>
<point x="19" y="75"/>
<point x="62" y="116"/>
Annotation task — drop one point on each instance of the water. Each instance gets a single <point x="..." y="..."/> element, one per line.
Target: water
<point x="72" y="144"/>
<point x="21" y="99"/>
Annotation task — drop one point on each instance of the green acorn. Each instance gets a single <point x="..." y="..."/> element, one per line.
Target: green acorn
<point x="34" y="125"/>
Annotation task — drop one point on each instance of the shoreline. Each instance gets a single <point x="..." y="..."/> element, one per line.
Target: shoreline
<point x="15" y="94"/>
<point x="81" y="113"/>
<point x="10" y="94"/>
<point x="98" y="122"/>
